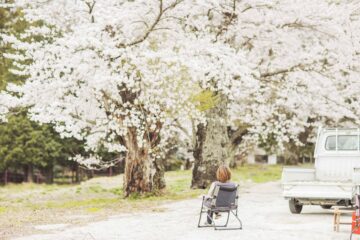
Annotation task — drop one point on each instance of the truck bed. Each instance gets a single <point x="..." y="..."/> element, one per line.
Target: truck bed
<point x="301" y="183"/>
<point x="319" y="190"/>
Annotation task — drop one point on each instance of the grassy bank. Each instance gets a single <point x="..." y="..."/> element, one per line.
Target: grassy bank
<point x="258" y="173"/>
<point x="25" y="205"/>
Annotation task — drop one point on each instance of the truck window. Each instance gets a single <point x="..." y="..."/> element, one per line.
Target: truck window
<point x="330" y="144"/>
<point x="345" y="143"/>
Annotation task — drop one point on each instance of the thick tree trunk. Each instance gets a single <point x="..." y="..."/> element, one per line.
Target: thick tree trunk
<point x="210" y="146"/>
<point x="159" y="178"/>
<point x="142" y="174"/>
<point x="236" y="137"/>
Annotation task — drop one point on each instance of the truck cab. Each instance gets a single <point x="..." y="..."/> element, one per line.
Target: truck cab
<point x="335" y="177"/>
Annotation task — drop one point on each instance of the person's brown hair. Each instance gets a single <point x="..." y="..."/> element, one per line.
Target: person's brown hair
<point x="223" y="174"/>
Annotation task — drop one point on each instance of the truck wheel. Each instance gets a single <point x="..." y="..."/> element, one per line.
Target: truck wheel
<point x="326" y="206"/>
<point x="294" y="206"/>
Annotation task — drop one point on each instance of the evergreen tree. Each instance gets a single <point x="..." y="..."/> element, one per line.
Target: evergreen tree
<point x="24" y="144"/>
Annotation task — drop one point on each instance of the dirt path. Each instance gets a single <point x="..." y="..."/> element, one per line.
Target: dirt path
<point x="264" y="213"/>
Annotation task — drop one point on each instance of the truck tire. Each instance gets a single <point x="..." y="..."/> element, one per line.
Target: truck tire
<point x="326" y="206"/>
<point x="294" y="206"/>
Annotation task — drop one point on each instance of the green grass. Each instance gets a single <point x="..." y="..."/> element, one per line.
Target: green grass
<point x="97" y="189"/>
<point x="105" y="193"/>
<point x="2" y="210"/>
<point x="257" y="173"/>
<point x="178" y="186"/>
<point x="178" y="182"/>
<point x="99" y="193"/>
<point x="31" y="187"/>
<point x="94" y="202"/>
<point x="93" y="210"/>
<point x="28" y="204"/>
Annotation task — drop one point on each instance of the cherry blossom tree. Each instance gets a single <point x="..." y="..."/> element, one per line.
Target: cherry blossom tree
<point x="305" y="61"/>
<point x="210" y="147"/>
<point x="119" y="73"/>
<point x="306" y="54"/>
<point x="127" y="74"/>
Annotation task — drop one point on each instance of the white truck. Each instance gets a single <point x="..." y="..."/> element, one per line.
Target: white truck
<point x="335" y="178"/>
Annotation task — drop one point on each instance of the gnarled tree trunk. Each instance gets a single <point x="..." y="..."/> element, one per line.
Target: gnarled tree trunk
<point x="142" y="174"/>
<point x="210" y="146"/>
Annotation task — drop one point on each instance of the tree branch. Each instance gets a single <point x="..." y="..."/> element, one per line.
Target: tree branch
<point x="91" y="6"/>
<point x="77" y="116"/>
<point x="162" y="10"/>
<point x="298" y="24"/>
<point x="229" y="18"/>
<point x="281" y="71"/>
<point x="150" y="29"/>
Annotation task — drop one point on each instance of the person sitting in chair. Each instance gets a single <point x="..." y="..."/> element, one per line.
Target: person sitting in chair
<point x="223" y="176"/>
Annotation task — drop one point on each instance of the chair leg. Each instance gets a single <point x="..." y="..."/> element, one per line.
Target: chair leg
<point x="222" y="226"/>
<point x="208" y="216"/>
<point x="227" y="220"/>
<point x="225" y="226"/>
<point x="236" y="216"/>
<point x="213" y="224"/>
<point x="201" y="211"/>
<point x="199" y="219"/>
<point x="205" y="211"/>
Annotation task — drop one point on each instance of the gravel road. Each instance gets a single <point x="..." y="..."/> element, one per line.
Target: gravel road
<point x="264" y="213"/>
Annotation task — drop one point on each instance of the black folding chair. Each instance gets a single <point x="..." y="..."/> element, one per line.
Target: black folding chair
<point x="224" y="200"/>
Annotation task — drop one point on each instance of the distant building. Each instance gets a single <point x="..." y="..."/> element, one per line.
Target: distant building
<point x="259" y="155"/>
